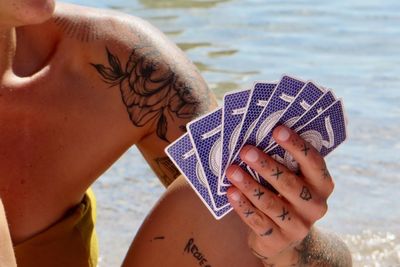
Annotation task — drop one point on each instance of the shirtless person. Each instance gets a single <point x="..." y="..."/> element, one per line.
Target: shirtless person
<point x="79" y="87"/>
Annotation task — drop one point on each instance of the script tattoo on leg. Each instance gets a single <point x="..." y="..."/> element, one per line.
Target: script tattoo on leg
<point x="193" y="249"/>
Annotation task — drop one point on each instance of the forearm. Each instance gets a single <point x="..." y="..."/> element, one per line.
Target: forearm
<point x="323" y="249"/>
<point x="317" y="249"/>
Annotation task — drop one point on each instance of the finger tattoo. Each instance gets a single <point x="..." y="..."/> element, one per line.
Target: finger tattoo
<point x="305" y="149"/>
<point x="268" y="232"/>
<point x="305" y="194"/>
<point x="284" y="214"/>
<point x="248" y="213"/>
<point x="258" y="193"/>
<point x="263" y="163"/>
<point x="277" y="173"/>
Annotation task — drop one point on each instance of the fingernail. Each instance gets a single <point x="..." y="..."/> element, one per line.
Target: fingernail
<point x="237" y="176"/>
<point x="235" y="196"/>
<point x="251" y="155"/>
<point x="283" y="134"/>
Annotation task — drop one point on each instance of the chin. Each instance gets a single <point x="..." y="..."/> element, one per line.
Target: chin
<point x="35" y="11"/>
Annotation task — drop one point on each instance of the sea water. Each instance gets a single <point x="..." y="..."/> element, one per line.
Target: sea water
<point x="351" y="46"/>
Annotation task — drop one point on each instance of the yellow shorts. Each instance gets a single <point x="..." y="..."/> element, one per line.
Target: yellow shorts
<point x="71" y="242"/>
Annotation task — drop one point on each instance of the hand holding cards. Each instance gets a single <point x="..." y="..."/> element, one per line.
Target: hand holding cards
<point x="213" y="141"/>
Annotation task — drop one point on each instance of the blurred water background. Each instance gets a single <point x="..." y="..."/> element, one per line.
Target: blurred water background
<point x="352" y="46"/>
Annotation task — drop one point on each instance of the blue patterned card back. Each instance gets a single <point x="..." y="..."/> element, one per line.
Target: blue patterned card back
<point x="325" y="132"/>
<point x="205" y="134"/>
<point x="235" y="106"/>
<point x="182" y="154"/>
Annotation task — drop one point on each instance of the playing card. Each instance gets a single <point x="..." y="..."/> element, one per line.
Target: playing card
<point x="308" y="95"/>
<point x="235" y="104"/>
<point x="325" y="101"/>
<point x="325" y="132"/>
<point x="259" y="97"/>
<point x="205" y="135"/>
<point x="284" y="94"/>
<point x="214" y="140"/>
<point x="182" y="154"/>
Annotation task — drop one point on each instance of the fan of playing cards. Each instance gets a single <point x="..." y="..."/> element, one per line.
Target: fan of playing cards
<point x="214" y="140"/>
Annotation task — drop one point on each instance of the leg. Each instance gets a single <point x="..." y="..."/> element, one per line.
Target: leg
<point x="180" y="231"/>
<point x="7" y="257"/>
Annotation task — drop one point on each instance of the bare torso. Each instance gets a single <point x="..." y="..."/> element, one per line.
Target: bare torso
<point x="62" y="124"/>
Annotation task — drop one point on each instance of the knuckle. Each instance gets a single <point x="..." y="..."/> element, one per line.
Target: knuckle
<point x="288" y="182"/>
<point x="330" y="186"/>
<point x="269" y="204"/>
<point x="256" y="221"/>
<point x="316" y="160"/>
<point x="301" y="232"/>
<point x="320" y="210"/>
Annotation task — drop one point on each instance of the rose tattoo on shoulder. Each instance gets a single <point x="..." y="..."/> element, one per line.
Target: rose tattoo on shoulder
<point x="150" y="88"/>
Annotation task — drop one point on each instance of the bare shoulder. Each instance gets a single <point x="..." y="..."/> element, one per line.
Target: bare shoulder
<point x="159" y="88"/>
<point x="157" y="81"/>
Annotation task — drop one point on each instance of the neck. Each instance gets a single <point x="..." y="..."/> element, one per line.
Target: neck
<point x="7" y="50"/>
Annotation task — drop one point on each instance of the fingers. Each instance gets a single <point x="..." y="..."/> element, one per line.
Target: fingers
<point x="312" y="165"/>
<point x="253" y="199"/>
<point x="261" y="225"/>
<point x="292" y="187"/>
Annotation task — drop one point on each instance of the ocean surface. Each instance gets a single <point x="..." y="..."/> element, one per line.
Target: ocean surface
<point x="352" y="46"/>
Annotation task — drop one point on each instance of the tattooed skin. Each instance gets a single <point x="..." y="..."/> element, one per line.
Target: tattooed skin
<point x="85" y="31"/>
<point x="194" y="250"/>
<point x="305" y="149"/>
<point x="284" y="214"/>
<point x="166" y="170"/>
<point x="248" y="212"/>
<point x="305" y="194"/>
<point x="150" y="89"/>
<point x="277" y="173"/>
<point x="268" y="232"/>
<point x="258" y="193"/>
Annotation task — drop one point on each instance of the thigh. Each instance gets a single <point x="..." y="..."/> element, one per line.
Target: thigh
<point x="180" y="231"/>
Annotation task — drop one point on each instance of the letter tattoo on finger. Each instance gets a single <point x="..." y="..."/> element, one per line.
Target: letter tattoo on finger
<point x="284" y="215"/>
<point x="277" y="173"/>
<point x="258" y="193"/>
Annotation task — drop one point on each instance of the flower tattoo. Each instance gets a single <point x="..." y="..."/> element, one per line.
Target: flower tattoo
<point x="150" y="88"/>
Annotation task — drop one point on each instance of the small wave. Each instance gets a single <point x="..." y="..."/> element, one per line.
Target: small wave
<point x="374" y="249"/>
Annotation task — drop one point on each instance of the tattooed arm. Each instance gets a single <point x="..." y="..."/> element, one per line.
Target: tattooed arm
<point x="160" y="88"/>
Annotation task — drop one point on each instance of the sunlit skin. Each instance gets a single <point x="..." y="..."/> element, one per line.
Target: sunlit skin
<point x="74" y="97"/>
